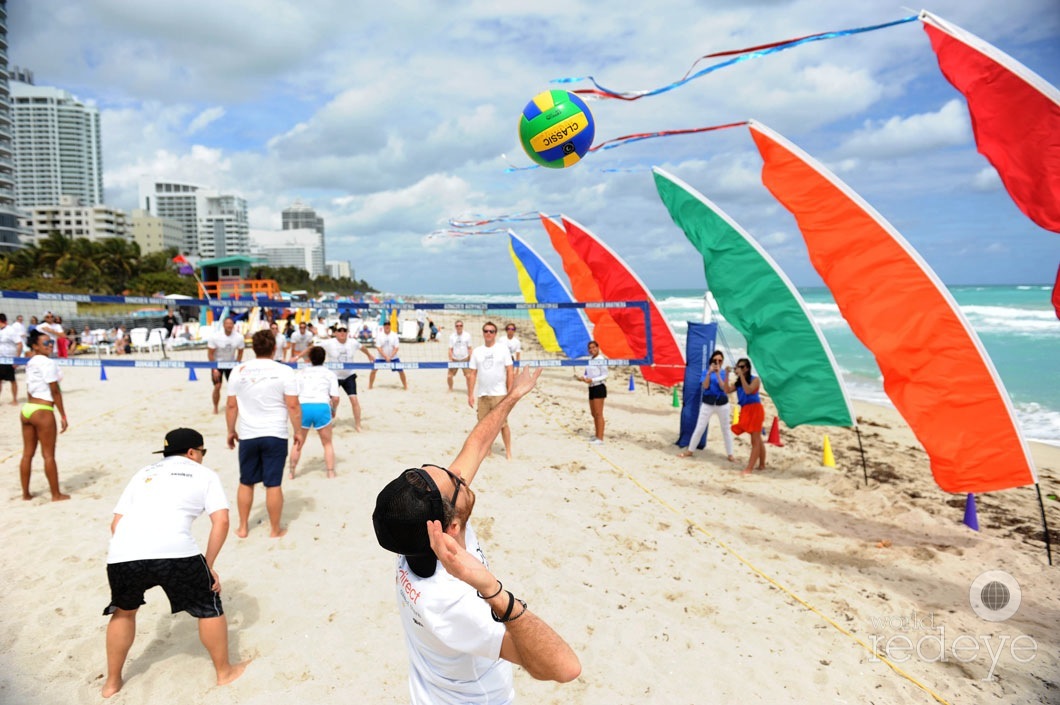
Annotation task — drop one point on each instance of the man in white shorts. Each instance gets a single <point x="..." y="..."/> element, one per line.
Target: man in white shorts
<point x="225" y="346"/>
<point x="151" y="544"/>
<point x="387" y="345"/>
<point x="459" y="351"/>
<point x="491" y="373"/>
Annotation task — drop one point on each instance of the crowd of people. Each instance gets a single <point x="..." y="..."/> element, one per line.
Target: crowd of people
<point x="463" y="629"/>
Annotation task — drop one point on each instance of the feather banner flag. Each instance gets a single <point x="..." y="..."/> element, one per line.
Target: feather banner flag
<point x="557" y="328"/>
<point x="783" y="341"/>
<point x="1015" y="117"/>
<point x="935" y="368"/>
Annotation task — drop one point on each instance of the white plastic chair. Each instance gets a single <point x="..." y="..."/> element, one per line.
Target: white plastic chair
<point x="138" y="339"/>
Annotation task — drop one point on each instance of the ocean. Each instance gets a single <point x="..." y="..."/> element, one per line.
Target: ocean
<point x="1016" y="324"/>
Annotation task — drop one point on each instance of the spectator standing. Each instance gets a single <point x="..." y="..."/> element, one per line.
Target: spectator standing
<point x="490" y="379"/>
<point x="459" y="351"/>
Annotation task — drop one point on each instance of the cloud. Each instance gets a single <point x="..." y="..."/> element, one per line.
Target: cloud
<point x="986" y="180"/>
<point x="901" y="136"/>
<point x="203" y="119"/>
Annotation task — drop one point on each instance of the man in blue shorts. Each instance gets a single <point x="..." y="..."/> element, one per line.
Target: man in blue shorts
<point x="262" y="396"/>
<point x="151" y="544"/>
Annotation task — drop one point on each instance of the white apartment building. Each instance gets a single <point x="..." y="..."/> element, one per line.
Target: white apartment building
<point x="57" y="148"/>
<point x="72" y="218"/>
<point x="154" y="234"/>
<point x="339" y="268"/>
<point x="298" y="216"/>
<point x="302" y="248"/>
<point x="215" y="224"/>
<point x="10" y="229"/>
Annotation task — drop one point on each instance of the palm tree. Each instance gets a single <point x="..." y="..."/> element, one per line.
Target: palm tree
<point x="118" y="260"/>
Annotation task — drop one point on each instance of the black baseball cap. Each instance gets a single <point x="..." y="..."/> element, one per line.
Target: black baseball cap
<point x="180" y="441"/>
<point x="402" y="511"/>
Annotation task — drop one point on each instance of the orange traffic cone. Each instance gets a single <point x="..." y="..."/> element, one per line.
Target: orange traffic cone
<point x="774" y="434"/>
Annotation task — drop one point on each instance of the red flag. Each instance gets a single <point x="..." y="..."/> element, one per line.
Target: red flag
<point x="1015" y="117"/>
<point x="1056" y="292"/>
<point x="179" y="259"/>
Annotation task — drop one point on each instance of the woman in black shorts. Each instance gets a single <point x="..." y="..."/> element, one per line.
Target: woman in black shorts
<point x="595" y="375"/>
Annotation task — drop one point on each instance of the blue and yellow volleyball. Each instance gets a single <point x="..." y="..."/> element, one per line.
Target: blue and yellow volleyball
<point x="556" y="129"/>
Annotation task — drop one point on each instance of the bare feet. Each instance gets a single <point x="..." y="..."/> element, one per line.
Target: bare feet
<point x="357" y="427"/>
<point x="746" y="471"/>
<point x="234" y="671"/>
<point x="27" y="495"/>
<point x="688" y="454"/>
<point x="241" y="532"/>
<point x="58" y="497"/>
<point x="331" y="473"/>
<point x="277" y="533"/>
<point x="110" y="688"/>
<point x="732" y="459"/>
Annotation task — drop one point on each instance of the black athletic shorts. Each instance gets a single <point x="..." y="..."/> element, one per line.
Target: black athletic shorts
<point x="262" y="460"/>
<point x="186" y="581"/>
<point x="598" y="391"/>
<point x="7" y="373"/>
<point x="226" y="371"/>
<point x="349" y="385"/>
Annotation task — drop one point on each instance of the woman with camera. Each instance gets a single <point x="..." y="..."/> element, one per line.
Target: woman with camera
<point x="715" y="402"/>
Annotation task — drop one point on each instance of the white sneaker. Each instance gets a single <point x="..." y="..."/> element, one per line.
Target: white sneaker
<point x="596" y="442"/>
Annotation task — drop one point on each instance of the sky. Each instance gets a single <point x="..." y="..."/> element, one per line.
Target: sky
<point x="391" y="118"/>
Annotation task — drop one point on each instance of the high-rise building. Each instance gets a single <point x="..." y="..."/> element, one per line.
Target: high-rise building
<point x="339" y="268"/>
<point x="301" y="247"/>
<point x="298" y="215"/>
<point x="215" y="224"/>
<point x="73" y="219"/>
<point x="57" y="146"/>
<point x="9" y="222"/>
<point x="154" y="234"/>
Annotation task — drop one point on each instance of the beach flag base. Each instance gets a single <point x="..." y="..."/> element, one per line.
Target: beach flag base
<point x="774" y="434"/>
<point x="631" y="381"/>
<point x="102" y="373"/>
<point x="677" y="399"/>
<point x="191" y="375"/>
<point x="971" y="519"/>
<point x="828" y="460"/>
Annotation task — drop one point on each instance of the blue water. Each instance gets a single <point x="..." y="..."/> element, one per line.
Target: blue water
<point x="1016" y="324"/>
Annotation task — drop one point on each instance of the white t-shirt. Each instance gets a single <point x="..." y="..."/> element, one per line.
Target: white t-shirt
<point x="20" y="329"/>
<point x="157" y="509"/>
<point x="41" y="371"/>
<point x="316" y="385"/>
<point x="259" y="387"/>
<point x="514" y="346"/>
<point x="460" y="344"/>
<point x="596" y="372"/>
<point x="54" y="330"/>
<point x="387" y="343"/>
<point x="341" y="352"/>
<point x="453" y="643"/>
<point x="281" y="344"/>
<point x="491" y="378"/>
<point x="225" y="346"/>
<point x="9" y="341"/>
<point x="301" y="341"/>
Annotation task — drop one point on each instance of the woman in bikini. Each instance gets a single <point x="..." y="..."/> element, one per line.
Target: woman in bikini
<point x="38" y="413"/>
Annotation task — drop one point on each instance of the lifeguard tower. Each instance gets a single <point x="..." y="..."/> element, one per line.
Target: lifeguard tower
<point x="231" y="278"/>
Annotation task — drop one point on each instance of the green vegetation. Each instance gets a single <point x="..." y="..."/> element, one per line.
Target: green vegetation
<point x="115" y="266"/>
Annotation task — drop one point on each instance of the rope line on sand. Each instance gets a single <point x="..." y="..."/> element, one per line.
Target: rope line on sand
<point x="758" y="571"/>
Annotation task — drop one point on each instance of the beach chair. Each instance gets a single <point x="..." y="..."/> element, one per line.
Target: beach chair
<point x="138" y="339"/>
<point x="101" y="345"/>
<point x="156" y="338"/>
<point x="409" y="331"/>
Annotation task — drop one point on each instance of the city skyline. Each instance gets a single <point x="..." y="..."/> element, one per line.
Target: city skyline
<point x="390" y="122"/>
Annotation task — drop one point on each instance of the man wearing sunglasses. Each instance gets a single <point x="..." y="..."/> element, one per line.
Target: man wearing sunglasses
<point x="151" y="544"/>
<point x="463" y="630"/>
<point x="490" y="377"/>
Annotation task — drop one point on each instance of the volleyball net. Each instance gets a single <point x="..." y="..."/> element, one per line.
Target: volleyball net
<point x="550" y="334"/>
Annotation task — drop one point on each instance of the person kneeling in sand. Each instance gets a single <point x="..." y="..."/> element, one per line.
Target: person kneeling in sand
<point x="151" y="544"/>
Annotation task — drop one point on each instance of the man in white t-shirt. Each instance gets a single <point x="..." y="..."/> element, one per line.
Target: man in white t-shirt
<point x="280" y="355"/>
<point x="515" y="347"/>
<point x="301" y="340"/>
<point x="459" y="351"/>
<point x="10" y="346"/>
<point x="463" y="630"/>
<point x="386" y="343"/>
<point x="490" y="378"/>
<point x="151" y="544"/>
<point x="343" y="349"/>
<point x="52" y="329"/>
<point x="225" y="346"/>
<point x="262" y="396"/>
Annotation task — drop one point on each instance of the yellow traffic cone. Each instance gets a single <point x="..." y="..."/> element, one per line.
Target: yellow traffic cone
<point x="829" y="459"/>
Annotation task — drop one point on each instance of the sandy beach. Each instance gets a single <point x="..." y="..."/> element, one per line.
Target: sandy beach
<point x="675" y="580"/>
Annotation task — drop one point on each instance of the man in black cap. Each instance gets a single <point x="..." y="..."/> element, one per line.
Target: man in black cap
<point x="462" y="628"/>
<point x="151" y="544"/>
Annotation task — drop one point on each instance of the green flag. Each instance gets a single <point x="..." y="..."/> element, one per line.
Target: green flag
<point x="784" y="343"/>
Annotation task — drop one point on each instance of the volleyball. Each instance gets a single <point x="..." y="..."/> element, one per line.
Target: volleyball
<point x="556" y="129"/>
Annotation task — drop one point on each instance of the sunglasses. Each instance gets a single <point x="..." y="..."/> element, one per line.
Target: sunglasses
<point x="510" y="329"/>
<point x="489" y="330"/>
<point x="202" y="451"/>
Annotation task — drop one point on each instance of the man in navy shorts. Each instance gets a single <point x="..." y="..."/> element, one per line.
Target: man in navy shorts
<point x="151" y="544"/>
<point x="262" y="396"/>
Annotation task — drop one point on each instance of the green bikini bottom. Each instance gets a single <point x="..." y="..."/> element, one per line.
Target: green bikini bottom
<point x="30" y="408"/>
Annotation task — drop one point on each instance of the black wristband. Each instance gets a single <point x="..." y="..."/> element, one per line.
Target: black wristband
<point x="500" y="586"/>
<point x="521" y="613"/>
<point x="507" y="612"/>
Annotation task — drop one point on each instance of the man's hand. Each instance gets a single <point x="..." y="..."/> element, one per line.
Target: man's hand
<point x="216" y="587"/>
<point x="232" y="438"/>
<point x="458" y="562"/>
<point x="525" y="381"/>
